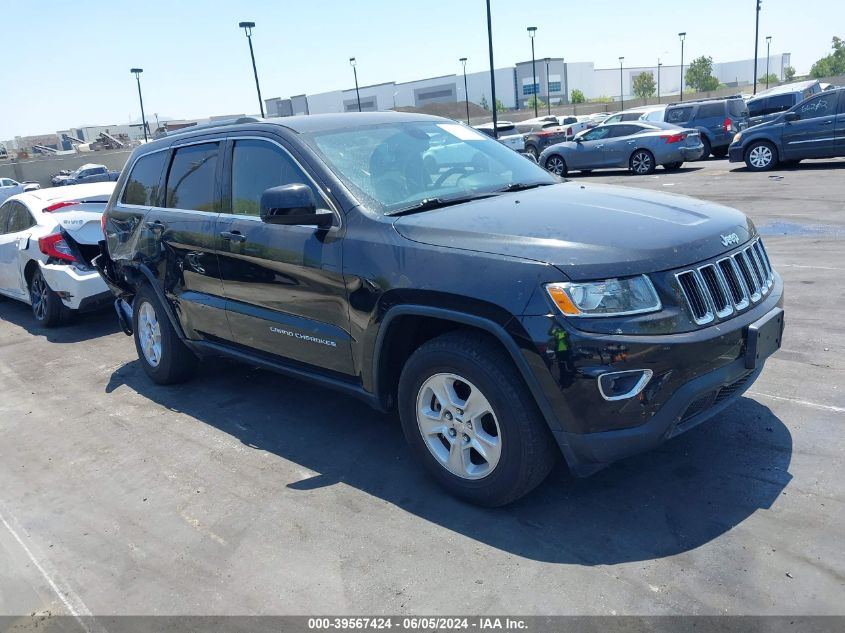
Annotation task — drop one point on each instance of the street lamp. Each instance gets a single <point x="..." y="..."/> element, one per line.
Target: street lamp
<point x="532" y="31"/>
<point x="353" y="63"/>
<point x="137" y="72"/>
<point x="621" y="89"/>
<point x="683" y="37"/>
<point x="463" y="61"/>
<point x="768" y="45"/>
<point x="756" y="37"/>
<point x="658" y="79"/>
<point x="548" y="95"/>
<point x="492" y="71"/>
<point x="247" y="27"/>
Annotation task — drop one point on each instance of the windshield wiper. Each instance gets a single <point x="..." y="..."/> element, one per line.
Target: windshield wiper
<point x="437" y="203"/>
<point x="522" y="186"/>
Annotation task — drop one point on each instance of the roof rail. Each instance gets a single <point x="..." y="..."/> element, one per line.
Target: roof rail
<point x="704" y="99"/>
<point x="206" y="126"/>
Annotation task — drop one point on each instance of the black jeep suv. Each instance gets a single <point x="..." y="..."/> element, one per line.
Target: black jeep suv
<point x="509" y="316"/>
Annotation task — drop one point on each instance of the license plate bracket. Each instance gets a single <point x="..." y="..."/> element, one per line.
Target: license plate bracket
<point x="763" y="338"/>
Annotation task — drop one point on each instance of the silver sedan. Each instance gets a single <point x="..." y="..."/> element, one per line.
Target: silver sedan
<point x="637" y="145"/>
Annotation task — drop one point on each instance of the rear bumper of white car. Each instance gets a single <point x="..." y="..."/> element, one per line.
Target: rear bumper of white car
<point x="78" y="289"/>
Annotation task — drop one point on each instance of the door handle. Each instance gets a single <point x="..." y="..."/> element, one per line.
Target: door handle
<point x="233" y="236"/>
<point x="155" y="225"/>
<point x="830" y="122"/>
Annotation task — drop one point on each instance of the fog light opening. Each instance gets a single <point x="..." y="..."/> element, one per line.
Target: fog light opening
<point x="621" y="385"/>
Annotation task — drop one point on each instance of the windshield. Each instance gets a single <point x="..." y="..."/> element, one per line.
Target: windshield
<point x="399" y="165"/>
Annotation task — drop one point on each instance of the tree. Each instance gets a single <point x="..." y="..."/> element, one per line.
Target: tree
<point x="833" y="64"/>
<point x="699" y="75"/>
<point x="500" y="107"/>
<point x="530" y="103"/>
<point x="771" y="78"/>
<point x="789" y="73"/>
<point x="644" y="86"/>
<point x="577" y="96"/>
<point x="483" y="103"/>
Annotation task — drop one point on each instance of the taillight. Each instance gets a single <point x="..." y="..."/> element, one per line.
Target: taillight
<point x="676" y="138"/>
<point x="55" y="246"/>
<point x="728" y="125"/>
<point x="569" y="131"/>
<point x="60" y="205"/>
<point x="103" y="223"/>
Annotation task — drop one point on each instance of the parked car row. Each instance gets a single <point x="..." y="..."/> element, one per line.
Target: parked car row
<point x="87" y="174"/>
<point x="507" y="316"/>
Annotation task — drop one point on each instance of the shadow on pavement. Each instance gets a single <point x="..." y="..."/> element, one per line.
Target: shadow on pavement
<point x="805" y="165"/>
<point x="674" y="499"/>
<point x="688" y="168"/>
<point x="83" y="327"/>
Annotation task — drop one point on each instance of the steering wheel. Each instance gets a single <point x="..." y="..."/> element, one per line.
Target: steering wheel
<point x="462" y="170"/>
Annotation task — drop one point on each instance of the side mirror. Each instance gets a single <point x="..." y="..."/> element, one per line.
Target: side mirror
<point x="578" y="139"/>
<point x="791" y="116"/>
<point x="293" y="204"/>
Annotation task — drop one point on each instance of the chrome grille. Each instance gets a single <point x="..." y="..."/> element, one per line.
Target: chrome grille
<point x="727" y="286"/>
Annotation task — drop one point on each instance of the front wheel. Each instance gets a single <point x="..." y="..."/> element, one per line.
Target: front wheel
<point x="760" y="156"/>
<point x="468" y="416"/>
<point x="556" y="165"/>
<point x="165" y="358"/>
<point x="642" y="162"/>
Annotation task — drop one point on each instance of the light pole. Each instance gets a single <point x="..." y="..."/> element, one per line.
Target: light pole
<point x="354" y="64"/>
<point x="683" y="37"/>
<point x="621" y="88"/>
<point x="756" y="37"/>
<point x="548" y="96"/>
<point x="492" y="71"/>
<point x="137" y="72"/>
<point x="532" y="31"/>
<point x="658" y="79"/>
<point x="768" y="45"/>
<point x="247" y="27"/>
<point x="463" y="61"/>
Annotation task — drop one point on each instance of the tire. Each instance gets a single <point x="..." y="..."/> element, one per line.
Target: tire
<point x="556" y="165"/>
<point x="761" y="156"/>
<point x="721" y="152"/>
<point x="707" y="148"/>
<point x="519" y="448"/>
<point x="642" y="162"/>
<point x="672" y="166"/>
<point x="165" y="358"/>
<point x="47" y="307"/>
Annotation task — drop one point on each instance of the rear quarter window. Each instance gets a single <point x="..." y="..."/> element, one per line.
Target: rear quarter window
<point x="710" y="111"/>
<point x="737" y="108"/>
<point x="144" y="182"/>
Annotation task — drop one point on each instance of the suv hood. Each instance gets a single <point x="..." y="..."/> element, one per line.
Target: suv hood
<point x="587" y="231"/>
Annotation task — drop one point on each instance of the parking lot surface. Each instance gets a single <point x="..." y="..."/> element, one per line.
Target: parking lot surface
<point x="244" y="492"/>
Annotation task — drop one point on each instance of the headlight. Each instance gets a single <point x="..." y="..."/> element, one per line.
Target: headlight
<point x="611" y="297"/>
<point x="737" y="137"/>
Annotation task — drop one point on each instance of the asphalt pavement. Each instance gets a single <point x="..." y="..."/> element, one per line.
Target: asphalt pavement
<point x="245" y="492"/>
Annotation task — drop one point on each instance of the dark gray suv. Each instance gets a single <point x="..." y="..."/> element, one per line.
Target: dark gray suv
<point x="717" y="120"/>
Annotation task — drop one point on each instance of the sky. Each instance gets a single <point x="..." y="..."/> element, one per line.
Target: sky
<point x="66" y="64"/>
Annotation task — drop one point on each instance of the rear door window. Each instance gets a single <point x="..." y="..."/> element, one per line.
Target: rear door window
<point x="679" y="115"/>
<point x="5" y="212"/>
<point x="191" y="183"/>
<point x="20" y="219"/>
<point x="144" y="183"/>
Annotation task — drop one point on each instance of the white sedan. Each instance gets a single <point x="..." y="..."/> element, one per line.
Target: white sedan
<point x="9" y="187"/>
<point x="48" y="238"/>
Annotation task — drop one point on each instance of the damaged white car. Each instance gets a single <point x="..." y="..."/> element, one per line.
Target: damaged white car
<point x="48" y="238"/>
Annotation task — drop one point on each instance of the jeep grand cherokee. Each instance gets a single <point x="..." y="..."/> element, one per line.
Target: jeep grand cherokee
<point x="508" y="315"/>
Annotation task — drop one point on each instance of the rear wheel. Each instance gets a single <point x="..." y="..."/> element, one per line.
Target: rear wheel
<point x="672" y="166"/>
<point x="533" y="151"/>
<point x="47" y="307"/>
<point x="556" y="165"/>
<point x="165" y="358"/>
<point x="761" y="156"/>
<point x="469" y="417"/>
<point x="642" y="162"/>
<point x="707" y="148"/>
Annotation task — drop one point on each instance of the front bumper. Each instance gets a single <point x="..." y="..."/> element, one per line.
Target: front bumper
<point x="695" y="376"/>
<point x="736" y="154"/>
<point x="78" y="289"/>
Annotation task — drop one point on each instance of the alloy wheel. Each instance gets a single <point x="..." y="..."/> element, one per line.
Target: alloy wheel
<point x="760" y="157"/>
<point x="459" y="426"/>
<point x="38" y="294"/>
<point x="641" y="162"/>
<point x="149" y="334"/>
<point x="555" y="165"/>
